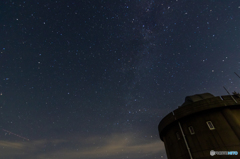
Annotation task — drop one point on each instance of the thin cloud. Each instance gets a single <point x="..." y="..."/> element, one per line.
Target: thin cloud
<point x="113" y="146"/>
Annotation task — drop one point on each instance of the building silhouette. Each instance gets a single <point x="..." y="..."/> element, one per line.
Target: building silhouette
<point x="201" y="124"/>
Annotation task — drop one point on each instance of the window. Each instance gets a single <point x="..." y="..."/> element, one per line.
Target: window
<point x="191" y="130"/>
<point x="178" y="136"/>
<point x="210" y="125"/>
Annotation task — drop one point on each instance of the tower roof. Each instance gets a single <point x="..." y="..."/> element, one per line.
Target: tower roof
<point x="197" y="97"/>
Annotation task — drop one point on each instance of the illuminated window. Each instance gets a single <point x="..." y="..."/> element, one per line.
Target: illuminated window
<point x="178" y="136"/>
<point x="191" y="130"/>
<point x="210" y="125"/>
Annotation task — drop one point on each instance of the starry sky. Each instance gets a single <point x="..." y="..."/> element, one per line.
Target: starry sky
<point x="92" y="79"/>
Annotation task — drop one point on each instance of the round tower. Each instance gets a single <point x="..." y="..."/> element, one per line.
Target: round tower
<point x="203" y="123"/>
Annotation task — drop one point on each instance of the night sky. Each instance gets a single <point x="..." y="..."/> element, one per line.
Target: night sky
<point x="93" y="79"/>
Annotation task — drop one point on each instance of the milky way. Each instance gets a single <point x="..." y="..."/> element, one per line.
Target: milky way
<point x="92" y="79"/>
